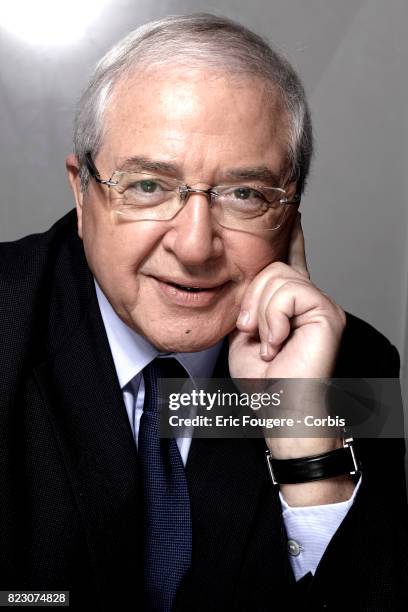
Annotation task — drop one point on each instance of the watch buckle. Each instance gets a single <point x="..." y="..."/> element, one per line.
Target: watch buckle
<point x="348" y="443"/>
<point x="268" y="457"/>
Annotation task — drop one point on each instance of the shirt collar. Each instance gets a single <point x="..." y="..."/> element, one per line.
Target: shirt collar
<point x="131" y="352"/>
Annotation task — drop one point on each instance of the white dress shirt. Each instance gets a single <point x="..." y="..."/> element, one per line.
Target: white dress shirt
<point x="309" y="528"/>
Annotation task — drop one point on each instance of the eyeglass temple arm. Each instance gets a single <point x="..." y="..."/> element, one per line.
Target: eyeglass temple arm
<point x="92" y="168"/>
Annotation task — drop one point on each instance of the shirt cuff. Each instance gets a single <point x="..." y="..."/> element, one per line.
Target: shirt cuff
<point x="310" y="529"/>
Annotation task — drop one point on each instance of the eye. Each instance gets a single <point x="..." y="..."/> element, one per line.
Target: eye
<point x="143" y="187"/>
<point x="147" y="186"/>
<point x="144" y="190"/>
<point x="245" y="193"/>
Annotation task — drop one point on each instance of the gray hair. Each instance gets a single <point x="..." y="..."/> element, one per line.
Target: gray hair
<point x="195" y="40"/>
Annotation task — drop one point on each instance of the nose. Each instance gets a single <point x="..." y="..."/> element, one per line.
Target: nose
<point x="194" y="236"/>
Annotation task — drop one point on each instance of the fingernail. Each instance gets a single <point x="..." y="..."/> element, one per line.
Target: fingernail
<point x="243" y="318"/>
<point x="270" y="336"/>
<point x="264" y="350"/>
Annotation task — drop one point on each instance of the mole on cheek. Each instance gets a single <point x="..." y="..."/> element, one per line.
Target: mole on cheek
<point x="188" y="331"/>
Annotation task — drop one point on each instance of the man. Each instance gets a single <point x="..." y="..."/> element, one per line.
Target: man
<point x="192" y="147"/>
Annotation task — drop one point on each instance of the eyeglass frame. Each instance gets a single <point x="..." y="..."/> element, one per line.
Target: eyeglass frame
<point x="184" y="190"/>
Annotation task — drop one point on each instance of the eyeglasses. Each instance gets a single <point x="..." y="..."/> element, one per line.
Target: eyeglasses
<point x="140" y="196"/>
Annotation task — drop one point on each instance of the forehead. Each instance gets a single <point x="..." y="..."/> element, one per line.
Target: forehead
<point x="198" y="118"/>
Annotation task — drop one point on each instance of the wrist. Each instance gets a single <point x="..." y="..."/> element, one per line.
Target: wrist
<point x="293" y="448"/>
<point x="320" y="492"/>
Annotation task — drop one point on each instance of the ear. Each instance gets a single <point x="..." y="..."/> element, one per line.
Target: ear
<point x="291" y="190"/>
<point x="72" y="166"/>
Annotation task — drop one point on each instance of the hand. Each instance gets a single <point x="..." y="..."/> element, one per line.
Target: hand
<point x="287" y="327"/>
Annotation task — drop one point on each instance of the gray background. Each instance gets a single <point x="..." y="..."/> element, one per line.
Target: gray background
<point x="352" y="56"/>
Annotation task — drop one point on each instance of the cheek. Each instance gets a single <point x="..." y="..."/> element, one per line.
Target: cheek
<point x="115" y="251"/>
<point x="252" y="254"/>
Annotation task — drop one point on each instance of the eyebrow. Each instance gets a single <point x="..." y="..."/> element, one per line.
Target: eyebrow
<point x="258" y="173"/>
<point x="146" y="164"/>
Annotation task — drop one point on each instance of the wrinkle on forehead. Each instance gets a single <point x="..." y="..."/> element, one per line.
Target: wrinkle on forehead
<point x="181" y="108"/>
<point x="179" y="90"/>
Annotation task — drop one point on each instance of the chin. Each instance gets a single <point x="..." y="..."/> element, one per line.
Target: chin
<point x="186" y="341"/>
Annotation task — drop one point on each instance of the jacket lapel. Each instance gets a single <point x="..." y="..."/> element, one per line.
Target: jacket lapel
<point x="85" y="404"/>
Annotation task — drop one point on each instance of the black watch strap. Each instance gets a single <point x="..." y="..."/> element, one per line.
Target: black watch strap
<point x="316" y="467"/>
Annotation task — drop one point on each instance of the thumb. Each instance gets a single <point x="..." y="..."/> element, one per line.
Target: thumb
<point x="296" y="250"/>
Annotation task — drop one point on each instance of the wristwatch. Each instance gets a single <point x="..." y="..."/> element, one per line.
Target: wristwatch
<point x="338" y="462"/>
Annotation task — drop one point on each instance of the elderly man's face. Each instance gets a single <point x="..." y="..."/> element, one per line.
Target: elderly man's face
<point x="205" y="124"/>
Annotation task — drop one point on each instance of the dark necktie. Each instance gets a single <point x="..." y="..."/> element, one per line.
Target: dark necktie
<point x="168" y="537"/>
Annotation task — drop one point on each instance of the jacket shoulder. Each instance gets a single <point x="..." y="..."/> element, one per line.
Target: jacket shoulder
<point x="365" y="352"/>
<point x="41" y="286"/>
<point x="21" y="257"/>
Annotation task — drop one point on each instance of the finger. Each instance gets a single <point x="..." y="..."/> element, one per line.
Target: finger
<point x="269" y="278"/>
<point x="295" y="304"/>
<point x="303" y="304"/>
<point x="276" y="312"/>
<point x="277" y="331"/>
<point x="296" y="250"/>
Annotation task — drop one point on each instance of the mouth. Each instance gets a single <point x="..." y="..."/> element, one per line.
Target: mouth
<point x="188" y="288"/>
<point x="189" y="294"/>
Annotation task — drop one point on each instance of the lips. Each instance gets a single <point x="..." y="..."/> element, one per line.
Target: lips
<point x="186" y="293"/>
<point x="190" y="288"/>
<point x="187" y="284"/>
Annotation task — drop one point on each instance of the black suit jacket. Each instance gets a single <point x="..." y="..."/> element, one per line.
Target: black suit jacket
<point x="71" y="504"/>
